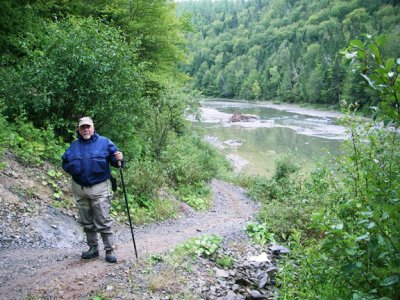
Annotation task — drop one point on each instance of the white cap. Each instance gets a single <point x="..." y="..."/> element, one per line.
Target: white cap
<point x="85" y="121"/>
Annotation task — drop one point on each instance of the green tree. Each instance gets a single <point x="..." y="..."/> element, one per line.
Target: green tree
<point x="299" y="37"/>
<point x="314" y="85"/>
<point x="17" y="19"/>
<point x="256" y="90"/>
<point x="81" y="67"/>
<point x="354" y="24"/>
<point x="273" y="82"/>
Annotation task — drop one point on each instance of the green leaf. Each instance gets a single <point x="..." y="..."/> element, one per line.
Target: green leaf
<point x="351" y="251"/>
<point x="363" y="237"/>
<point x="377" y="53"/>
<point x="391" y="280"/>
<point x="357" y="43"/>
<point x="350" y="55"/>
<point x="371" y="225"/>
<point x="338" y="226"/>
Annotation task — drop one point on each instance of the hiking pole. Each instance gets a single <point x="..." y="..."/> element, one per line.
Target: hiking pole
<point x="127" y="208"/>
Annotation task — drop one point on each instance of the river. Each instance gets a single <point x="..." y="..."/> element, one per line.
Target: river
<point x="307" y="135"/>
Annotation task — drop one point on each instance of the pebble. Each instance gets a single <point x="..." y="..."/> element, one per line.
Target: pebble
<point x="254" y="294"/>
<point x="221" y="273"/>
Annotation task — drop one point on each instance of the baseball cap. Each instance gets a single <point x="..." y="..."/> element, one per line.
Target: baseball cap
<point x="85" y="121"/>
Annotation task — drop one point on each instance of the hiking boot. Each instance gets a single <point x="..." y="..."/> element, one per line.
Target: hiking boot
<point x="92" y="253"/>
<point x="110" y="256"/>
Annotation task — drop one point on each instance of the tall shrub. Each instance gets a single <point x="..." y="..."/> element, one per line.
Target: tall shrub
<point x="357" y="254"/>
<point x="80" y="67"/>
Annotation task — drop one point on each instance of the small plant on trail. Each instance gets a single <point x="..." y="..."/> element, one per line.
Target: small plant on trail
<point x="197" y="195"/>
<point x="259" y="233"/>
<point x="155" y="259"/>
<point x="225" y="261"/>
<point x="206" y="245"/>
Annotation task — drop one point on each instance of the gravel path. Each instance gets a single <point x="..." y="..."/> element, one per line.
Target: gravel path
<point x="61" y="274"/>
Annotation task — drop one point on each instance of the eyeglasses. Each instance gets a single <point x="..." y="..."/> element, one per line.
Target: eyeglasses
<point x="84" y="126"/>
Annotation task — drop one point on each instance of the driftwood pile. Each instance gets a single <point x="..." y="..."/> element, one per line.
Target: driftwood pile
<point x="239" y="117"/>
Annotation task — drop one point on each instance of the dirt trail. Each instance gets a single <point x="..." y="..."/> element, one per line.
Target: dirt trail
<point x="61" y="274"/>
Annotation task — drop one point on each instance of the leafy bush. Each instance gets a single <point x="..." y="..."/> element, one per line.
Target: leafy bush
<point x="285" y="217"/>
<point x="300" y="271"/>
<point x="3" y="132"/>
<point x="281" y="185"/>
<point x="159" y="209"/>
<point x="187" y="165"/>
<point x="190" y="164"/>
<point x="32" y="145"/>
<point x="260" y="233"/>
<point x="197" y="195"/>
<point x="358" y="241"/>
<point x="287" y="205"/>
<point x="190" y="160"/>
<point x="79" y="67"/>
<point x="143" y="179"/>
<point x="381" y="75"/>
<point x="284" y="167"/>
<point x="356" y="255"/>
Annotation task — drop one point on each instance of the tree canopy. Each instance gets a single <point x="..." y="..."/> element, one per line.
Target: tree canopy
<point x="283" y="50"/>
<point x="111" y="60"/>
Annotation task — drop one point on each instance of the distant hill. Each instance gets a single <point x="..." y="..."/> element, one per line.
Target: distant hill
<point x="283" y="50"/>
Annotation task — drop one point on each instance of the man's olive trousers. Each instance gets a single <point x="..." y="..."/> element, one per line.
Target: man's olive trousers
<point x="94" y="212"/>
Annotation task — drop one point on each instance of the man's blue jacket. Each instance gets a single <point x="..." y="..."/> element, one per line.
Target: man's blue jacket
<point x="88" y="161"/>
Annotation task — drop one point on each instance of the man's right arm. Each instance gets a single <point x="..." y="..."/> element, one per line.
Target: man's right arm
<point x="71" y="163"/>
<point x="65" y="162"/>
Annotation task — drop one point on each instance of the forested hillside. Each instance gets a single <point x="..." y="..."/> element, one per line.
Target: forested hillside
<point x="284" y="50"/>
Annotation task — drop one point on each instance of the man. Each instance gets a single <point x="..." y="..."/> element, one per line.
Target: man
<point x="88" y="161"/>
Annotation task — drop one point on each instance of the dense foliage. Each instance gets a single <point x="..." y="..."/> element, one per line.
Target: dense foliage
<point x="70" y="58"/>
<point x="80" y="67"/>
<point x="116" y="61"/>
<point x="342" y="222"/>
<point x="283" y="50"/>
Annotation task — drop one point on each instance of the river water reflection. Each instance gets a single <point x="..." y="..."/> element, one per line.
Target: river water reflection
<point x="253" y="147"/>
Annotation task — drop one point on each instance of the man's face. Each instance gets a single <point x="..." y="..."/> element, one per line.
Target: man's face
<point x="86" y="131"/>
